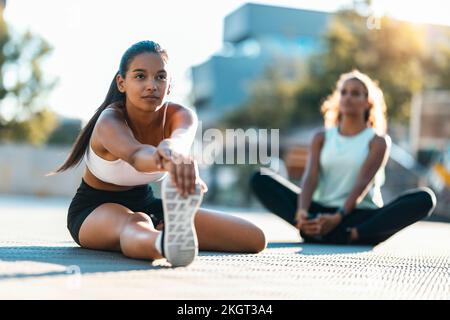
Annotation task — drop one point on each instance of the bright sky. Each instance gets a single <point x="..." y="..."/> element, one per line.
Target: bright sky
<point x="89" y="37"/>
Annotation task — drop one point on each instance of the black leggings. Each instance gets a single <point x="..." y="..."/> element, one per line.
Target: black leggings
<point x="373" y="225"/>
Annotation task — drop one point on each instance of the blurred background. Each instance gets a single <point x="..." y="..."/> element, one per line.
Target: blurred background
<point x="266" y="64"/>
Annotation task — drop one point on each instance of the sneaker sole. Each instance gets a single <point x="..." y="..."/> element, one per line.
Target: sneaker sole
<point x="179" y="237"/>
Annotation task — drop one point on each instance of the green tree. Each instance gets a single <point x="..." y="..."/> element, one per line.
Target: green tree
<point x="22" y="86"/>
<point x="393" y="55"/>
<point x="35" y="129"/>
<point x="65" y="134"/>
<point x="437" y="62"/>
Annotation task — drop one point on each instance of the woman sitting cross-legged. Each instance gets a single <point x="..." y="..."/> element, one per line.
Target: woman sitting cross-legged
<point x="340" y="200"/>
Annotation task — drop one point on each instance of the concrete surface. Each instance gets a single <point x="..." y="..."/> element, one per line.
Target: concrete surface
<point x="38" y="260"/>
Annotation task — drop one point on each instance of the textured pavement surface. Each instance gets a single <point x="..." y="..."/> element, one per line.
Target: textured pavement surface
<point x="38" y="260"/>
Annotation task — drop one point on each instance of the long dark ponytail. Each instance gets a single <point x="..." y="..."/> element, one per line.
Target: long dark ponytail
<point x="113" y="95"/>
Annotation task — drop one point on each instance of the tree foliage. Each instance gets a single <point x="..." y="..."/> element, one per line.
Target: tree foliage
<point x="398" y="55"/>
<point x="23" y="87"/>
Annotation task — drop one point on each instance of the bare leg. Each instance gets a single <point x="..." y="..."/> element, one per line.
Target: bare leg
<point x="222" y="232"/>
<point x="114" y="227"/>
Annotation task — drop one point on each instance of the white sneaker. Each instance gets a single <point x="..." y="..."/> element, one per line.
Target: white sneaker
<point x="179" y="239"/>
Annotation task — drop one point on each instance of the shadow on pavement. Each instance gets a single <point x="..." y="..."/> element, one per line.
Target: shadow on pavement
<point x="304" y="248"/>
<point x="71" y="259"/>
<point x="67" y="260"/>
<point x="320" y="249"/>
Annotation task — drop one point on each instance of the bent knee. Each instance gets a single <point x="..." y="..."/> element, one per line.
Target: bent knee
<point x="138" y="217"/>
<point x="135" y="222"/>
<point x="259" y="241"/>
<point x="428" y="198"/>
<point x="133" y="240"/>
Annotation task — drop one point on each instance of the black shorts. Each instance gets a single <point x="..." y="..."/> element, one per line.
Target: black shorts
<point x="87" y="198"/>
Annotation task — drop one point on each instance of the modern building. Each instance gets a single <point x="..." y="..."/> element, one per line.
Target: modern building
<point x="254" y="36"/>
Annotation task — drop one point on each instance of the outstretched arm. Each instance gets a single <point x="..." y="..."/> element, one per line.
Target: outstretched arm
<point x="118" y="140"/>
<point x="174" y="151"/>
<point x="182" y="125"/>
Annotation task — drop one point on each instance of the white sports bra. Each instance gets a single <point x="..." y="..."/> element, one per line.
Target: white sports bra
<point x="120" y="172"/>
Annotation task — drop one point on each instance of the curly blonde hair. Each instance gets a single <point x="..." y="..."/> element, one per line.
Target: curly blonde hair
<point x="375" y="117"/>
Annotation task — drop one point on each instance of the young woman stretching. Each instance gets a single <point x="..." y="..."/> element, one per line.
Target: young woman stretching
<point x="134" y="138"/>
<point x="340" y="200"/>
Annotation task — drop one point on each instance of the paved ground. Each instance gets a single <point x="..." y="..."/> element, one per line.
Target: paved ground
<point x="38" y="260"/>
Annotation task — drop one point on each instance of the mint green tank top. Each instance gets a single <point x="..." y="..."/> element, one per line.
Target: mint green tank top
<point x="341" y="159"/>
